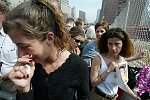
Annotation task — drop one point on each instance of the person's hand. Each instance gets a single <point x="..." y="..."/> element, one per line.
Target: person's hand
<point x="139" y="98"/>
<point x="73" y="47"/>
<point x="136" y="97"/>
<point x="112" y="66"/>
<point x="19" y="76"/>
<point x="76" y="51"/>
<point x="141" y="55"/>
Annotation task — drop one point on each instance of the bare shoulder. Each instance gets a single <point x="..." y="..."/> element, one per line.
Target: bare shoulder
<point x="97" y="58"/>
<point x="96" y="61"/>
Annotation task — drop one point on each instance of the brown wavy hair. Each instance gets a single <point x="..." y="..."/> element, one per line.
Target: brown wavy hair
<point x="104" y="24"/>
<point x="127" y="48"/>
<point x="36" y="18"/>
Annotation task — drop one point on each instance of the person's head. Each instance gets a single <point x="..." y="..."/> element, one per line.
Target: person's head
<point x="100" y="28"/>
<point x="37" y="28"/>
<point x="79" y="22"/>
<point x="70" y="23"/>
<point x="116" y="41"/>
<point x="4" y="9"/>
<point x="90" y="34"/>
<point x="77" y="34"/>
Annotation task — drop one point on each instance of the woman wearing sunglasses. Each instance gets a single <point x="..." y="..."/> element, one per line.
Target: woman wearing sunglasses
<point x="77" y="36"/>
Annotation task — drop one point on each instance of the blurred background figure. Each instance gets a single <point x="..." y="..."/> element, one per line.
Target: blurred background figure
<point x="76" y="35"/>
<point x="70" y="23"/>
<point x="79" y="22"/>
<point x="90" y="34"/>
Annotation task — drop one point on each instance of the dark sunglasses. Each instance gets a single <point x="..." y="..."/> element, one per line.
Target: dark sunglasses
<point x="78" y="41"/>
<point x="101" y="31"/>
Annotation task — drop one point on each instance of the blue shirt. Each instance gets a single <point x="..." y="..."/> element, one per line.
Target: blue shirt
<point x="89" y="50"/>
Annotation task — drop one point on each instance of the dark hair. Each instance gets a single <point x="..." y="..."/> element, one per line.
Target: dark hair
<point x="127" y="48"/>
<point x="69" y="20"/>
<point x="104" y="24"/>
<point x="36" y="18"/>
<point x="75" y="31"/>
<point x="79" y="22"/>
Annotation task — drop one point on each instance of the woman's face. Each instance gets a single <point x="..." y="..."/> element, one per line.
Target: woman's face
<point x="114" y="45"/>
<point x="99" y="31"/>
<point x="78" y="39"/>
<point x="30" y="46"/>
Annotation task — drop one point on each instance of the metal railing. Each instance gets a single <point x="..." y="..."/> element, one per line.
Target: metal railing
<point x="135" y="19"/>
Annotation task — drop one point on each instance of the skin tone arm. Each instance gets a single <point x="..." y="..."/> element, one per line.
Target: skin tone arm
<point x="131" y="93"/>
<point x="136" y="57"/>
<point x="95" y="77"/>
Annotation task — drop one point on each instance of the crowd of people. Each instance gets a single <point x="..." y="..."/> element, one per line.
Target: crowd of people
<point x="65" y="60"/>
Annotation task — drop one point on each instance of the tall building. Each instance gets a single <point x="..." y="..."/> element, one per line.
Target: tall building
<point x="73" y="12"/>
<point x="82" y="15"/>
<point x="111" y="9"/>
<point x="65" y="8"/>
<point x="98" y="14"/>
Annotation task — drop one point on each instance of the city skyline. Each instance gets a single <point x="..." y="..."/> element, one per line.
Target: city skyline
<point x="88" y="6"/>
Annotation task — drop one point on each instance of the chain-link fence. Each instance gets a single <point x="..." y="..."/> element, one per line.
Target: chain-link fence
<point x="135" y="19"/>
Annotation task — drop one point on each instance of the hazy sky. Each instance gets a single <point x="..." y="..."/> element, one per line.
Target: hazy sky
<point x="88" y="6"/>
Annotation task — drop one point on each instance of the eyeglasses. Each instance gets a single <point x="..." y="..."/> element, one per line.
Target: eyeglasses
<point x="101" y="31"/>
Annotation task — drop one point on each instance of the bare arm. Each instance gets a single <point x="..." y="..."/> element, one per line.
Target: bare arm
<point x="94" y="76"/>
<point x="131" y="93"/>
<point x="136" y="57"/>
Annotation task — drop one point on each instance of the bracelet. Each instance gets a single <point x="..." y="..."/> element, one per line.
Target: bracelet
<point x="101" y="78"/>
